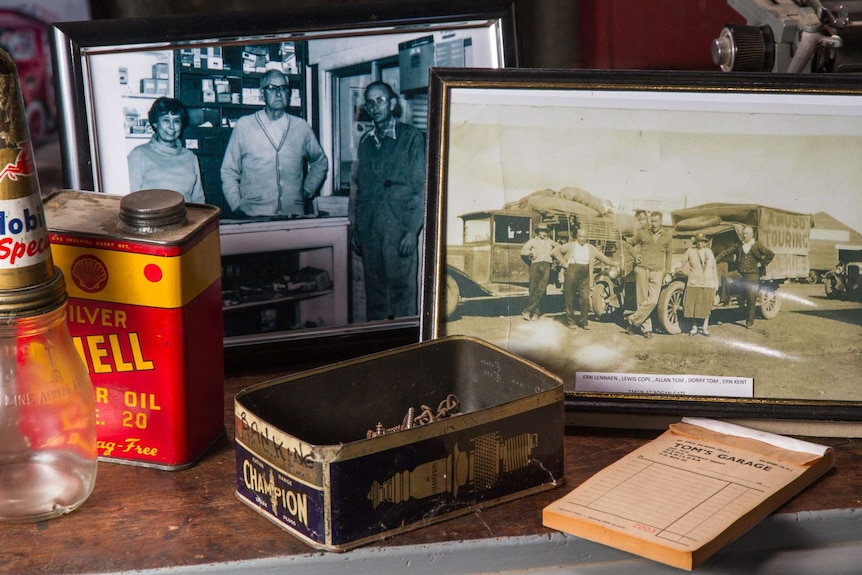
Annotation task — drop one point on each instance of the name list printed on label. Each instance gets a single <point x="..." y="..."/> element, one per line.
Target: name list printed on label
<point x="661" y="384"/>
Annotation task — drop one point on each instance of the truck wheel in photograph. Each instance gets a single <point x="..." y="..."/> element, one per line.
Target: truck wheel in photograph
<point x="669" y="308"/>
<point x="599" y="300"/>
<point x="452" y="296"/>
<point x="770" y="303"/>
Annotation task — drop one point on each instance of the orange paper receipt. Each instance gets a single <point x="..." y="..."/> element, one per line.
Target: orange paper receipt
<point x="681" y="497"/>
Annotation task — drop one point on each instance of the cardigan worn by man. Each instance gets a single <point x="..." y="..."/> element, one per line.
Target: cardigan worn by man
<point x="262" y="170"/>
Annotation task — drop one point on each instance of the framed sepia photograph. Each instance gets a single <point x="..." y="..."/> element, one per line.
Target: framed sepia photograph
<point x="668" y="243"/>
<point x="289" y="122"/>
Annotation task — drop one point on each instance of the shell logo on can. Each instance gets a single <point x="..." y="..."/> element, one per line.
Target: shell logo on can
<point x="89" y="273"/>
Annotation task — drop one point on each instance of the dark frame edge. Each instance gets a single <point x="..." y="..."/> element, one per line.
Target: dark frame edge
<point x="717" y="408"/>
<point x="71" y="110"/>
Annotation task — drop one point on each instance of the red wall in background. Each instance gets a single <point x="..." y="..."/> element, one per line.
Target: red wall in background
<point x="654" y="34"/>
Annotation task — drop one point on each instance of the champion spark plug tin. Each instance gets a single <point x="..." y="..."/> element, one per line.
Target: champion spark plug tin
<point x="319" y="466"/>
<point x="145" y="313"/>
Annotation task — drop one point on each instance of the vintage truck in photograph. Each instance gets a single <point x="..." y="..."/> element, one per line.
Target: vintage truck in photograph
<point x="488" y="265"/>
<point x="845" y="280"/>
<point x="784" y="232"/>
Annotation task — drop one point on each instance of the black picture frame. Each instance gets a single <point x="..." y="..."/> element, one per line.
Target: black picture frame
<point x="662" y="141"/>
<point x="485" y="29"/>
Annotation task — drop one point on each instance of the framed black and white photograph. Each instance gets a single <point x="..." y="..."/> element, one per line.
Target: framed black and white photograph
<point x="667" y="243"/>
<point x="300" y="126"/>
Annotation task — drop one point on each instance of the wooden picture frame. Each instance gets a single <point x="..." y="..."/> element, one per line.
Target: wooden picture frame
<point x="584" y="149"/>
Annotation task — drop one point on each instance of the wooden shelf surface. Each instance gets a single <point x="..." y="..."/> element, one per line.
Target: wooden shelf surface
<point x="141" y="518"/>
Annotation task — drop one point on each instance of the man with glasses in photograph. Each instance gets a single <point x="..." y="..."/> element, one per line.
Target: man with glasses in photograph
<point x="387" y="206"/>
<point x="264" y="168"/>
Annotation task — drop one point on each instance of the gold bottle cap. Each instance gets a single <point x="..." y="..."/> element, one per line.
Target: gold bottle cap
<point x="34" y="300"/>
<point x="25" y="252"/>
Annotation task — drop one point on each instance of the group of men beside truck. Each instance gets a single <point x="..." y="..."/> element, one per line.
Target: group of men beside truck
<point x="639" y="268"/>
<point x="651" y="249"/>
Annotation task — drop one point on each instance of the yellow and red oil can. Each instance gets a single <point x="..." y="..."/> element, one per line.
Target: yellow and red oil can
<point x="145" y="314"/>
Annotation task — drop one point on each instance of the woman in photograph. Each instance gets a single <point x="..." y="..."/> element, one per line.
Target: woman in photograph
<point x="163" y="162"/>
<point x="699" y="266"/>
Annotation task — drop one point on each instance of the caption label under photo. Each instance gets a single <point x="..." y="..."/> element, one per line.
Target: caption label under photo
<point x="653" y="384"/>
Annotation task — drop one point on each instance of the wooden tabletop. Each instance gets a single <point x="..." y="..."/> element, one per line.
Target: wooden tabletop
<point x="142" y="518"/>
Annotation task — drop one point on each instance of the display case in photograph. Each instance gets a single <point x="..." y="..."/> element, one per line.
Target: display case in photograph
<point x="283" y="276"/>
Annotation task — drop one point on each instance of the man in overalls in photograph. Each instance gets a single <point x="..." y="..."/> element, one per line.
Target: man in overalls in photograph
<point x="387" y="206"/>
<point x="267" y="154"/>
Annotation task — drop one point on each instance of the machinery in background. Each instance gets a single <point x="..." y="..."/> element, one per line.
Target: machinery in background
<point x="792" y="36"/>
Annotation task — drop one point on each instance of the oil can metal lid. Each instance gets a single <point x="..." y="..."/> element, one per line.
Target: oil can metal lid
<point x="152" y="211"/>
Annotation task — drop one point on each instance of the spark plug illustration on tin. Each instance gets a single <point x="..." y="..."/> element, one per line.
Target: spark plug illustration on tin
<point x="476" y="470"/>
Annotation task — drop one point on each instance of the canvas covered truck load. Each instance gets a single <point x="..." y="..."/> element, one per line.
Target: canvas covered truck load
<point x="786" y="233"/>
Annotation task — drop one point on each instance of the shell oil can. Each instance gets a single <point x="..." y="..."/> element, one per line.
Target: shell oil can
<point x="145" y="314"/>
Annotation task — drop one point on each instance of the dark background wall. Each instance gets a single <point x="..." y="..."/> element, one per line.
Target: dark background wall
<point x="659" y="34"/>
